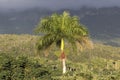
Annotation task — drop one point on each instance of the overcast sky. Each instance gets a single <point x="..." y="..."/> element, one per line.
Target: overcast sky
<point x="55" y="4"/>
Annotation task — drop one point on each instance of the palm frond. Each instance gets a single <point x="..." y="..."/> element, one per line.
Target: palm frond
<point x="85" y="42"/>
<point x="72" y="42"/>
<point x="45" y="41"/>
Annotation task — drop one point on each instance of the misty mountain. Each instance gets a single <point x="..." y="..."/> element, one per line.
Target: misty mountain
<point x="101" y="22"/>
<point x="21" y="22"/>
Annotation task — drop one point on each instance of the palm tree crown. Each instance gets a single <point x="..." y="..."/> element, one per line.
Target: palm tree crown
<point x="57" y="27"/>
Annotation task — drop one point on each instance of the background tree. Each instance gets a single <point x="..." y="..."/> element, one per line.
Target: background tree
<point x="57" y="29"/>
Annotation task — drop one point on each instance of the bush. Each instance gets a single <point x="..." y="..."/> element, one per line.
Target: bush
<point x="29" y="68"/>
<point x="21" y="68"/>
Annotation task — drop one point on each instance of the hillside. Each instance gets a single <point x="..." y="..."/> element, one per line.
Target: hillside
<point x="25" y="44"/>
<point x="20" y="60"/>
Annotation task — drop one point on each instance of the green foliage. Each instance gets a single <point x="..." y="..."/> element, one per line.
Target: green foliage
<point x="24" y="68"/>
<point x="87" y="64"/>
<point x="6" y="66"/>
<point x="57" y="27"/>
<point x="21" y="68"/>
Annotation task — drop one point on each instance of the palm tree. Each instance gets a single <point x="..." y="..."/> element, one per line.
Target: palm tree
<point x="59" y="29"/>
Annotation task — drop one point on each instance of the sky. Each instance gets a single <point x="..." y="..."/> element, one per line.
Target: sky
<point x="55" y="4"/>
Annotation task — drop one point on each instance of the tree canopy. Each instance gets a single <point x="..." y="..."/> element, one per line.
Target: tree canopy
<point x="62" y="26"/>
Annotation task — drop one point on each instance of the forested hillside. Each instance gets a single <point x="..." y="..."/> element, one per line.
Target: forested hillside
<point x="100" y="63"/>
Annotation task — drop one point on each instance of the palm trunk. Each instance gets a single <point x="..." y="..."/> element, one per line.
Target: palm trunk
<point x="62" y="49"/>
<point x="63" y="56"/>
<point x="64" y="66"/>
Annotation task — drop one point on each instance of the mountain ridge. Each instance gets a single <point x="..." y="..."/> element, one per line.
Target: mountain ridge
<point x="101" y="22"/>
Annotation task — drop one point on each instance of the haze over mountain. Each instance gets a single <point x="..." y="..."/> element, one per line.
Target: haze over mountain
<point x="98" y="20"/>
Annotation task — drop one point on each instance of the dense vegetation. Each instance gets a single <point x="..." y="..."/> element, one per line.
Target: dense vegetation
<point x="19" y="60"/>
<point x="57" y="30"/>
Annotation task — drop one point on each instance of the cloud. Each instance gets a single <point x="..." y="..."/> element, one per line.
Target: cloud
<point x="55" y="4"/>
